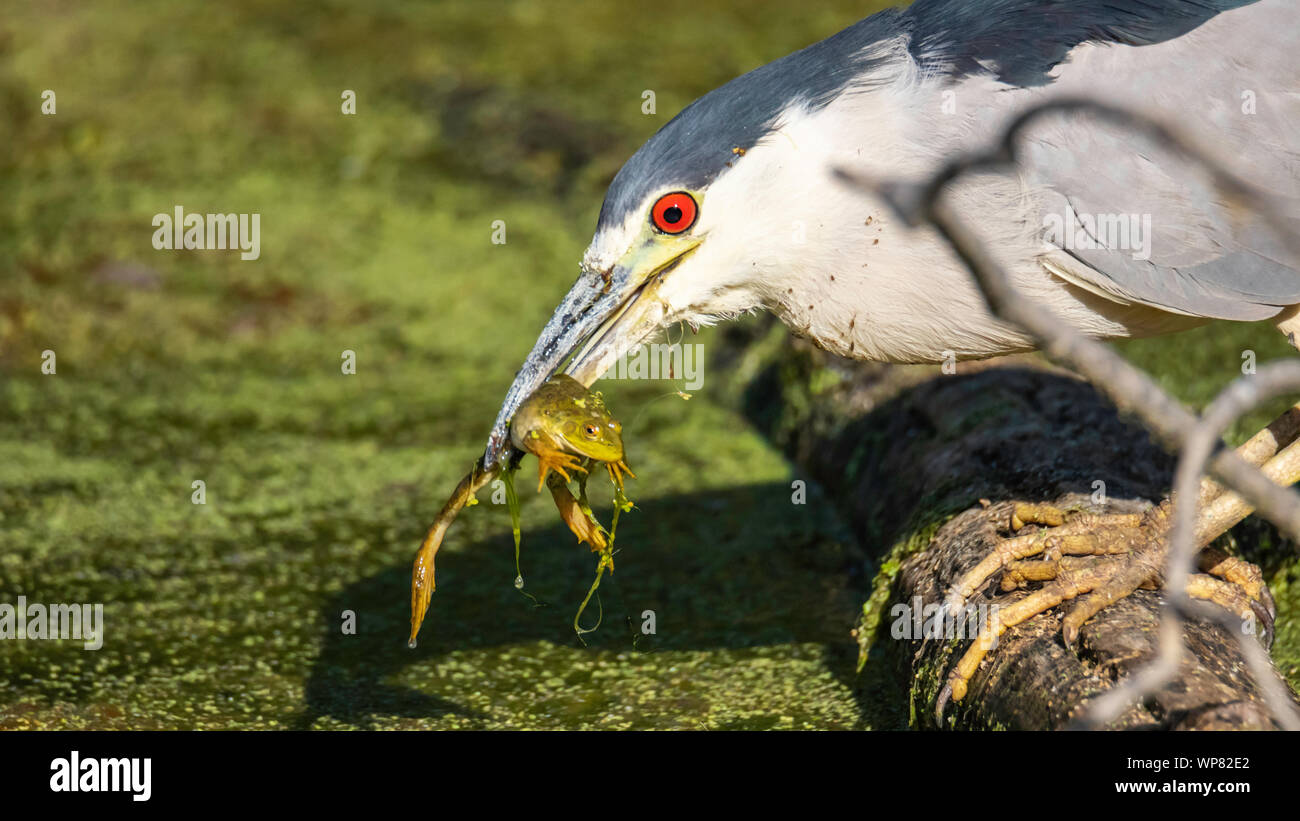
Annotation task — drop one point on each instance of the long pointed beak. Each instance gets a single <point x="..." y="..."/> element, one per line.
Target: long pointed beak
<point x="599" y="320"/>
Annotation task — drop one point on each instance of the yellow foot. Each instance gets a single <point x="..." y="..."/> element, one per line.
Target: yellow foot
<point x="1103" y="558"/>
<point x="557" y="460"/>
<point x="616" y="471"/>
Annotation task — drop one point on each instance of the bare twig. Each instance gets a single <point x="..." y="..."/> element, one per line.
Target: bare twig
<point x="1174" y="425"/>
<point x="1242" y="396"/>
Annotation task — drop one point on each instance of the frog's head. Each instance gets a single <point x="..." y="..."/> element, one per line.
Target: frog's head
<point x="588" y="429"/>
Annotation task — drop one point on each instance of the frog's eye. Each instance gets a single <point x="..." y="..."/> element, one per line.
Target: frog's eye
<point x="674" y="213"/>
<point x="590" y="430"/>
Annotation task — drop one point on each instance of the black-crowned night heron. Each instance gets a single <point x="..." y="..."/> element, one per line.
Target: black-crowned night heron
<point x="732" y="206"/>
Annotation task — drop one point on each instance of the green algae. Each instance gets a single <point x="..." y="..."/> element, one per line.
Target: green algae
<point x="376" y="238"/>
<point x="186" y="366"/>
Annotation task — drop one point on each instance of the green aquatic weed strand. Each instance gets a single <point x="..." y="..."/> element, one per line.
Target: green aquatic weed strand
<point x="606" y="560"/>
<point x="512" y="502"/>
<point x="621" y="504"/>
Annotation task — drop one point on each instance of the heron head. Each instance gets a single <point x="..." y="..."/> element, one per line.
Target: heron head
<point x="662" y="253"/>
<point x="698" y="225"/>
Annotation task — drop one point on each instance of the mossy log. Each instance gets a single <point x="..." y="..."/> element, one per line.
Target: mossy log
<point x="926" y="467"/>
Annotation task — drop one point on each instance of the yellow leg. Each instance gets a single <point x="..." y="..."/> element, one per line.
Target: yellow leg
<point x="1105" y="558"/>
<point x="1108" y="580"/>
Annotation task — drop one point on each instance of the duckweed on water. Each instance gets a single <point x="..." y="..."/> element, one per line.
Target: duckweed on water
<point x="179" y="367"/>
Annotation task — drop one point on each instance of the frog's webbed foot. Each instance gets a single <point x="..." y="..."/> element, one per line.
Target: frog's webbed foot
<point x="1099" y="559"/>
<point x="616" y="471"/>
<point x="561" y="462"/>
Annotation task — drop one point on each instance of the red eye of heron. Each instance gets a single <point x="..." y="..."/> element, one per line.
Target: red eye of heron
<point x="674" y="213"/>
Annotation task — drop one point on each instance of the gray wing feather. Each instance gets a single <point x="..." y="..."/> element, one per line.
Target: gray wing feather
<point x="1187" y="249"/>
<point x="1205" y="255"/>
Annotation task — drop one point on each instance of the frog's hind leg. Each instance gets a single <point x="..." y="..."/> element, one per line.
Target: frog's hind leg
<point x="549" y="459"/>
<point x="574" y="516"/>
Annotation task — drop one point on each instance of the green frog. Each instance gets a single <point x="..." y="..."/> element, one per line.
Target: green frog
<point x="563" y="424"/>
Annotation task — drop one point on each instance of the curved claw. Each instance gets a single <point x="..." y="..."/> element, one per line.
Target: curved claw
<point x="1265" y="620"/>
<point x="1270" y="611"/>
<point x="944" y="695"/>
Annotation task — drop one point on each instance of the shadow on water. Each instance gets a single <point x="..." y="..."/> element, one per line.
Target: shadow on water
<point x="743" y="567"/>
<point x="720" y="569"/>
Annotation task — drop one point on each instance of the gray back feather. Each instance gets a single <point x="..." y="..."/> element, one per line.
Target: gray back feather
<point x="1019" y="41"/>
<point x="695" y="146"/>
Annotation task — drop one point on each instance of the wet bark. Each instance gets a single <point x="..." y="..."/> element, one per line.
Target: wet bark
<point x="926" y="466"/>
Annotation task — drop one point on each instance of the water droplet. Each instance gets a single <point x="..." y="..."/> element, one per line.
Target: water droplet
<point x="519" y="582"/>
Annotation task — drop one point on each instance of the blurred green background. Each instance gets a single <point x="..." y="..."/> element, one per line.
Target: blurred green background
<point x="176" y="366"/>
